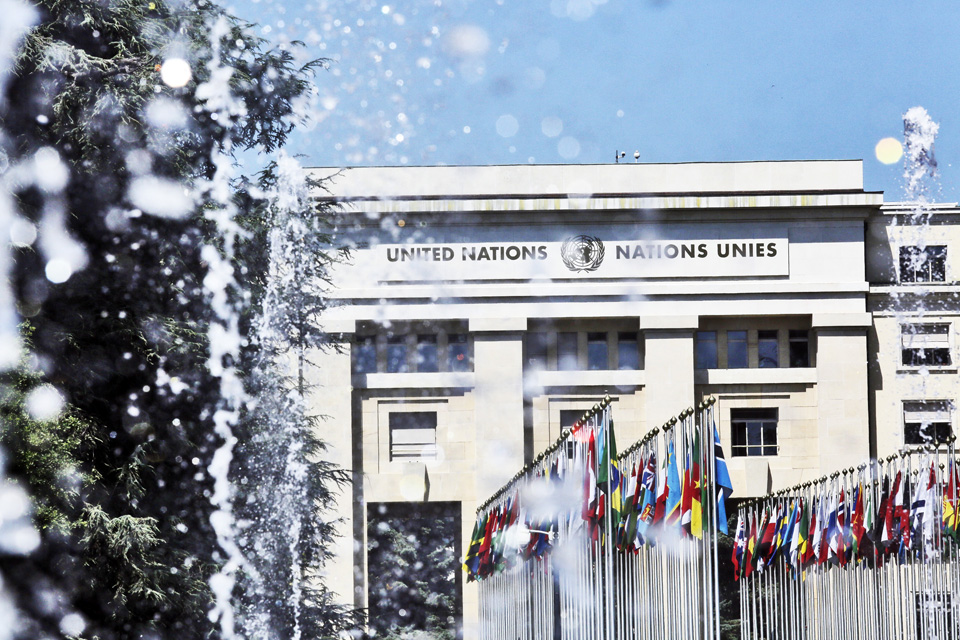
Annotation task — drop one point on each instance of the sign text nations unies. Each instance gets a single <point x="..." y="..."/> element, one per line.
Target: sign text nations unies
<point x="574" y="257"/>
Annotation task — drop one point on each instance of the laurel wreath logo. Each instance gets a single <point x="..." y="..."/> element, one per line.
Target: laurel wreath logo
<point x="582" y="253"/>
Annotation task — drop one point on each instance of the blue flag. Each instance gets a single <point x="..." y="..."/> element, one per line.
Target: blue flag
<point x="724" y="486"/>
<point x="673" y="487"/>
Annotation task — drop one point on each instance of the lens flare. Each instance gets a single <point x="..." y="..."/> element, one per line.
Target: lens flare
<point x="175" y="72"/>
<point x="889" y="150"/>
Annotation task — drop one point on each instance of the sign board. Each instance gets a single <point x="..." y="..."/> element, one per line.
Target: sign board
<point x="579" y="256"/>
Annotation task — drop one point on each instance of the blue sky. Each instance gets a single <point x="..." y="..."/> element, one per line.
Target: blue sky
<point x="572" y="81"/>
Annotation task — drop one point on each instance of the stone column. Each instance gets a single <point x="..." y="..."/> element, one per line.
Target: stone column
<point x="842" y="411"/>
<point x="668" y="347"/>
<point x="330" y="394"/>
<point x="498" y="401"/>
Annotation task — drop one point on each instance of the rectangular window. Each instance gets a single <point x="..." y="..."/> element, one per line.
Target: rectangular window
<point x="567" y="352"/>
<point x="397" y="354"/>
<point x="597" y="352"/>
<point x="365" y="354"/>
<point x="628" y="351"/>
<point x="427" y="354"/>
<point x="768" y="349"/>
<point x="925" y="345"/>
<point x="569" y="416"/>
<point x="537" y="351"/>
<point x="458" y="352"/>
<point x="927" y="264"/>
<point x="413" y="435"/>
<point x="799" y="348"/>
<point x="706" y="350"/>
<point x="753" y="432"/>
<point x="928" y="422"/>
<point x="736" y="349"/>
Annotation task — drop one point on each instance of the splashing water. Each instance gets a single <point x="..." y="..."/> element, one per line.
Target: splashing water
<point x="224" y="334"/>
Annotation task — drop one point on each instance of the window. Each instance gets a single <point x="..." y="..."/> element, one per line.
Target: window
<point x="458" y="352"/>
<point x="628" y="351"/>
<point x="754" y="432"/>
<point x="597" y="351"/>
<point x="537" y="351"/>
<point x="736" y="349"/>
<point x="569" y="416"/>
<point x="706" y="350"/>
<point x="927" y="264"/>
<point x="427" y="360"/>
<point x="567" y="352"/>
<point x="413" y="435"/>
<point x="927" y="422"/>
<point x="365" y="354"/>
<point x="768" y="353"/>
<point x="397" y="354"/>
<point x="799" y="348"/>
<point x="925" y="345"/>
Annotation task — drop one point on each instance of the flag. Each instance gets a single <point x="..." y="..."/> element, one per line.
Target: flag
<point x="647" y="507"/>
<point x="628" y="521"/>
<point x="608" y="473"/>
<point x="471" y="563"/>
<point x="672" y="507"/>
<point x="880" y="526"/>
<point x="695" y="524"/>
<point x="951" y="517"/>
<point x="686" y="493"/>
<point x="747" y="562"/>
<point x="904" y="524"/>
<point x="922" y="511"/>
<point x="803" y="536"/>
<point x="724" y="487"/>
<point x="794" y="536"/>
<point x="835" y="531"/>
<point x="767" y="533"/>
<point x="891" y="517"/>
<point x="857" y="526"/>
<point x="739" y="546"/>
<point x="591" y="497"/>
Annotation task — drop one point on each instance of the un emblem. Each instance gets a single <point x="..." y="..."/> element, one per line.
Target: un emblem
<point x="582" y="253"/>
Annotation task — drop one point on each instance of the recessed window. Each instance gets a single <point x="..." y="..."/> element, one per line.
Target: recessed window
<point x="768" y="350"/>
<point x="628" y="351"/>
<point x="537" y="351"/>
<point x="927" y="422"/>
<point x="413" y="435"/>
<point x="458" y="352"/>
<point x="706" y="350"/>
<point x="925" y="345"/>
<point x="799" y="348"/>
<point x="427" y="354"/>
<point x="365" y="354"/>
<point x="597" y="358"/>
<point x="567" y="351"/>
<point x="397" y="354"/>
<point x="927" y="264"/>
<point x="736" y="349"/>
<point x="753" y="432"/>
<point x="568" y="417"/>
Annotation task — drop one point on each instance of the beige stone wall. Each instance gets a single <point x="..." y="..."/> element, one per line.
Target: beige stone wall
<point x="891" y="383"/>
<point x="797" y="459"/>
<point x="627" y="412"/>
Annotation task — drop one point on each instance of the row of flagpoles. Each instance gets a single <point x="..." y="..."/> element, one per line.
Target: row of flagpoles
<point x="585" y="544"/>
<point x="871" y="553"/>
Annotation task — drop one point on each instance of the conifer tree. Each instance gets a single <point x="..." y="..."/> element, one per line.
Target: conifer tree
<point x="117" y="174"/>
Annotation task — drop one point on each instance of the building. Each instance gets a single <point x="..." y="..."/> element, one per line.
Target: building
<point x="485" y="308"/>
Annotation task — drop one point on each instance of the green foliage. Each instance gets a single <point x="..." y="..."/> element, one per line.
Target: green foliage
<point x="413" y="575"/>
<point x="119" y="479"/>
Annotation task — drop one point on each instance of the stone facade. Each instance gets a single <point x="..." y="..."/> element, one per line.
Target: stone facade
<point x="491" y="304"/>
